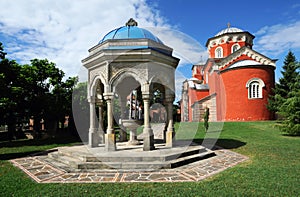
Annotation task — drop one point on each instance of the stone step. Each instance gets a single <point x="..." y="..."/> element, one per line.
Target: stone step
<point x="145" y="164"/>
<point x="130" y="164"/>
<point x="85" y="157"/>
<point x="73" y="162"/>
<point x="191" y="158"/>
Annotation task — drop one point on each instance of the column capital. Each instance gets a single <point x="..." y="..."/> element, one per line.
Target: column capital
<point x="99" y="102"/>
<point x="146" y="96"/>
<point x="108" y="95"/>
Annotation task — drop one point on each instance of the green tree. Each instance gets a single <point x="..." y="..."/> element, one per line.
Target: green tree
<point x="2" y="53"/>
<point x="36" y="89"/>
<point x="290" y="108"/>
<point x="206" y="118"/>
<point x="10" y="95"/>
<point x="286" y="82"/>
<point x="286" y="100"/>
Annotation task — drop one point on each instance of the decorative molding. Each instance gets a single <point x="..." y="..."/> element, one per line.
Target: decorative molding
<point x="248" y="52"/>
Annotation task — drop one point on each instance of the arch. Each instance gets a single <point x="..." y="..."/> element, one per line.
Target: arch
<point x="93" y="85"/>
<point x="124" y="73"/>
<point x="235" y="47"/>
<point x="254" y="87"/>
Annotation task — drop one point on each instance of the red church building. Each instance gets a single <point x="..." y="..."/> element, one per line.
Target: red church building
<point x="234" y="83"/>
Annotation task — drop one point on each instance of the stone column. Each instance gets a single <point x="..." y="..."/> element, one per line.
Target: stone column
<point x="100" y="126"/>
<point x="93" y="139"/>
<point x="110" y="138"/>
<point x="123" y="133"/>
<point x="147" y="131"/>
<point x="170" y="134"/>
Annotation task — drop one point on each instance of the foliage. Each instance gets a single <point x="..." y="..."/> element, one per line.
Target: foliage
<point x="33" y="90"/>
<point x="290" y="109"/>
<point x="285" y="85"/>
<point x="286" y="99"/>
<point x="206" y="118"/>
<point x="266" y="173"/>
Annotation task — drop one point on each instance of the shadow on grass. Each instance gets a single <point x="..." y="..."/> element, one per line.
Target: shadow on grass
<point x="39" y="142"/>
<point x="224" y="143"/>
<point x="23" y="148"/>
<point x="10" y="156"/>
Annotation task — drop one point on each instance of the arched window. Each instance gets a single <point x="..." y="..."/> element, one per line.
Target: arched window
<point x="219" y="52"/>
<point x="255" y="86"/>
<point x="235" y="47"/>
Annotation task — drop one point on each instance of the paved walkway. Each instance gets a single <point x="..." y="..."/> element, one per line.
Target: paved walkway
<point x="43" y="172"/>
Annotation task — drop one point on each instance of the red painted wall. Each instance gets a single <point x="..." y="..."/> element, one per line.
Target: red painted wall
<point x="238" y="106"/>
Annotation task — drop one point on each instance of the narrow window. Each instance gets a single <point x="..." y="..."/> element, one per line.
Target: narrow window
<point x="219" y="52"/>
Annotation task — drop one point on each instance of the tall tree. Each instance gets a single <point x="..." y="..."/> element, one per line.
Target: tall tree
<point x="286" y="82"/>
<point x="2" y="53"/>
<point x="36" y="89"/>
<point x="286" y="100"/>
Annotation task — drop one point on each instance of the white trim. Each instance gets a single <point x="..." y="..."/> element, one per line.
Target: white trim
<point x="242" y="63"/>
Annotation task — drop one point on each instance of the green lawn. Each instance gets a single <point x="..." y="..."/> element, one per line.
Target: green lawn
<point x="272" y="170"/>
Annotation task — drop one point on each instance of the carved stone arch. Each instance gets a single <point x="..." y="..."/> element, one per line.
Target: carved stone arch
<point x="163" y="80"/>
<point x="122" y="74"/>
<point x="93" y="84"/>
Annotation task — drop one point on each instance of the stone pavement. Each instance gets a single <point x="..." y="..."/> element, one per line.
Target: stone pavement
<point x="43" y="172"/>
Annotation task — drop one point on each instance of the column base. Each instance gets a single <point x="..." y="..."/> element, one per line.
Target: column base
<point x="148" y="140"/>
<point x="133" y="142"/>
<point x="170" y="138"/>
<point x="93" y="138"/>
<point x="110" y="142"/>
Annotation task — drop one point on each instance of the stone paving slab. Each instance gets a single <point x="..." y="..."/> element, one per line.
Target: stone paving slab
<point x="42" y="172"/>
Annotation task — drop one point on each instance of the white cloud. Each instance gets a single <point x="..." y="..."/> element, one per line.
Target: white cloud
<point x="185" y="47"/>
<point x="63" y="31"/>
<point x="279" y="38"/>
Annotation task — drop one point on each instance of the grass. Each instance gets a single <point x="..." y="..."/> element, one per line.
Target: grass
<point x="272" y="170"/>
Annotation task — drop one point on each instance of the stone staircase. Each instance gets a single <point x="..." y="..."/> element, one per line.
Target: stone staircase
<point x="81" y="158"/>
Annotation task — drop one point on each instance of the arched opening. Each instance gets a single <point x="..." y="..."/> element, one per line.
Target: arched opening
<point x="128" y="108"/>
<point x="255" y="87"/>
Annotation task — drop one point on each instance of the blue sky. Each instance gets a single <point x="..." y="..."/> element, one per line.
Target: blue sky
<point x="63" y="30"/>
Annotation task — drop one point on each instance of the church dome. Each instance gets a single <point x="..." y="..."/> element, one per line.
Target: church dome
<point x="130" y="31"/>
<point x="229" y="30"/>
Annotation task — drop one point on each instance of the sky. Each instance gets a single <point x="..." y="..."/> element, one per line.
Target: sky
<point x="63" y="30"/>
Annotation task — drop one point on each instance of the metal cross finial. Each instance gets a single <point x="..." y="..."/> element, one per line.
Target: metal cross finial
<point x="228" y="25"/>
<point x="131" y="22"/>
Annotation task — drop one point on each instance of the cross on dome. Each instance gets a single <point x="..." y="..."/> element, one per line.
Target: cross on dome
<point x="131" y="22"/>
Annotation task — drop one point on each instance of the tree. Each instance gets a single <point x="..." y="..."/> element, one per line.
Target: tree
<point x="286" y="100"/>
<point x="288" y="79"/>
<point x="290" y="108"/>
<point x="2" y="53"/>
<point x="206" y="118"/>
<point x="10" y="95"/>
<point x="36" y="89"/>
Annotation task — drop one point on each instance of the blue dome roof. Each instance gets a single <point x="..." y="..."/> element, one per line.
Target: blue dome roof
<point x="130" y="32"/>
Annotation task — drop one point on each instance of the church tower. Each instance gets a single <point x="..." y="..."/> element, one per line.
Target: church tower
<point x="235" y="82"/>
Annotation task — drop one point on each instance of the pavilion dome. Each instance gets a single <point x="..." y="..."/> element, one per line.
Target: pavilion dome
<point x="229" y="30"/>
<point x="130" y="31"/>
